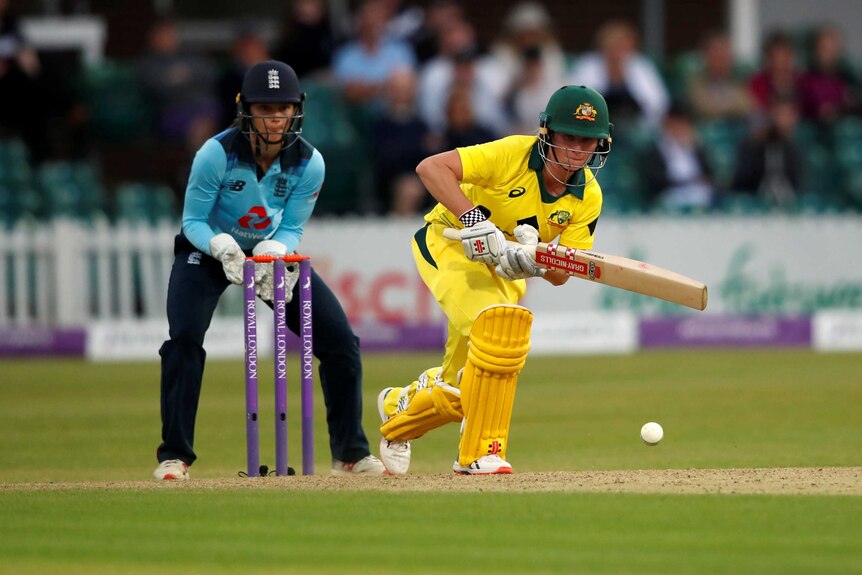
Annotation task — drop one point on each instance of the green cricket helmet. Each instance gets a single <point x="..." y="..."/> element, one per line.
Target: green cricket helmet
<point x="577" y="111"/>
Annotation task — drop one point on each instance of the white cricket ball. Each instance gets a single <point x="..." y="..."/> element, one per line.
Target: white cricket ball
<point x="651" y="433"/>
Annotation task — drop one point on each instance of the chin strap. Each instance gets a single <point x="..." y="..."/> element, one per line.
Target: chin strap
<point x="257" y="144"/>
<point x="543" y="146"/>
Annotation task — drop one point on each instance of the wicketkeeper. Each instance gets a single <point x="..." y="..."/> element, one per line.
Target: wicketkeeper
<point x="251" y="190"/>
<point x="522" y="188"/>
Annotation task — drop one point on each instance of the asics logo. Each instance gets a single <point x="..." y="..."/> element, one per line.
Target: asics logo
<point x="517" y="192"/>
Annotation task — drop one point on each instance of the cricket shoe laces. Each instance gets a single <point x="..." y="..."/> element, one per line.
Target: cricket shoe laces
<point x="368" y="465"/>
<point x="172" y="470"/>
<point x="486" y="465"/>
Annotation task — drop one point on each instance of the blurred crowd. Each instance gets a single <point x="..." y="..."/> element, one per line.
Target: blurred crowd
<point x="698" y="132"/>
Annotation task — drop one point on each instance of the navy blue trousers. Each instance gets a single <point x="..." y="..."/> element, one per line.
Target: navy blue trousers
<point x="196" y="284"/>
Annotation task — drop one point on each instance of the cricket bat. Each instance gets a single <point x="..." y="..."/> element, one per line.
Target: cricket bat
<point x="617" y="271"/>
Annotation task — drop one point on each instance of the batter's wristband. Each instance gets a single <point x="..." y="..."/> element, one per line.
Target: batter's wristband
<point x="472" y="217"/>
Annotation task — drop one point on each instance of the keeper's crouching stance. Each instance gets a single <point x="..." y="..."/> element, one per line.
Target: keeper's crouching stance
<point x="524" y="188"/>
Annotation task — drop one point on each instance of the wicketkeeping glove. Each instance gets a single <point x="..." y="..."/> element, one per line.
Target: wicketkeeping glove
<point x="515" y="263"/>
<point x="483" y="242"/>
<point x="263" y="272"/>
<point x="225" y="249"/>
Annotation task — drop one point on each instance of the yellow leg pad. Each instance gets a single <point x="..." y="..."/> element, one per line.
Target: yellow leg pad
<point x="399" y="395"/>
<point x="499" y="342"/>
<point x="430" y="408"/>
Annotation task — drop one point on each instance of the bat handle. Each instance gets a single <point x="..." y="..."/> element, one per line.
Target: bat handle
<point x="452" y="233"/>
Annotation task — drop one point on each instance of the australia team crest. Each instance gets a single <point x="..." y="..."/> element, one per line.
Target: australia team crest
<point x="586" y="112"/>
<point x="559" y="219"/>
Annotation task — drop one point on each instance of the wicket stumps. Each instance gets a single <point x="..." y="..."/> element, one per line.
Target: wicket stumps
<point x="254" y="468"/>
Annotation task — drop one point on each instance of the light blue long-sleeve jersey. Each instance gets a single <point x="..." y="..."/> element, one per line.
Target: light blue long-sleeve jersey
<point x="225" y="194"/>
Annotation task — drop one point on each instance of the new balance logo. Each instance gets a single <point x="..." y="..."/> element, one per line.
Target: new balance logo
<point x="272" y="77"/>
<point x="234" y="185"/>
<point x="194" y="259"/>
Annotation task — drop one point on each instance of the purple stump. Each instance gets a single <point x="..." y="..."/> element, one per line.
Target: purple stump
<point x="251" y="424"/>
<point x="280" y="331"/>
<point x="306" y="367"/>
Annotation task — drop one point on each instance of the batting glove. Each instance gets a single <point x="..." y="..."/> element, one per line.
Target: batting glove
<point x="483" y="241"/>
<point x="517" y="264"/>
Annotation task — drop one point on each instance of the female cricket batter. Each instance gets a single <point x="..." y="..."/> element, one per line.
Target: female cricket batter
<point x="530" y="189"/>
<point x="251" y="190"/>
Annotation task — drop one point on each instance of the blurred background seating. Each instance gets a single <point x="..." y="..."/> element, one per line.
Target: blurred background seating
<point x="109" y="131"/>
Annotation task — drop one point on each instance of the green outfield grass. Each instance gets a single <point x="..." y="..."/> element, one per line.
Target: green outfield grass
<point x="200" y="532"/>
<point x="70" y="421"/>
<point x="74" y="421"/>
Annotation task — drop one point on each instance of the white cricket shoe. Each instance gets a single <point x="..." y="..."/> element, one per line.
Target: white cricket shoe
<point x="368" y="465"/>
<point x="486" y="465"/>
<point x="172" y="470"/>
<point x="395" y="454"/>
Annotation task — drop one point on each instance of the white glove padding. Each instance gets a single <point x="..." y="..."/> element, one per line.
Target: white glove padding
<point x="515" y="263"/>
<point x="225" y="249"/>
<point x="263" y="276"/>
<point x="265" y="288"/>
<point x="483" y="242"/>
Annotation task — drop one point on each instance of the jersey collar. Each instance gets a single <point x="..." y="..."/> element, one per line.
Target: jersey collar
<point x="244" y="151"/>
<point x="288" y="156"/>
<point x="537" y="164"/>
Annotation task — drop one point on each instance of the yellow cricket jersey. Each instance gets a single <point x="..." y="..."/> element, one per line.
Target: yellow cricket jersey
<point x="504" y="179"/>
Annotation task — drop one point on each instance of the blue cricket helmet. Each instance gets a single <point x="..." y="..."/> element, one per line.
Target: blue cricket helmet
<point x="271" y="82"/>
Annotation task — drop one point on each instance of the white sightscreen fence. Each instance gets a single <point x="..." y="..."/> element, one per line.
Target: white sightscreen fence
<point x="68" y="273"/>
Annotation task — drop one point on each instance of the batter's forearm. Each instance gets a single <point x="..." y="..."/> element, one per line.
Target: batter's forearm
<point x="441" y="178"/>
